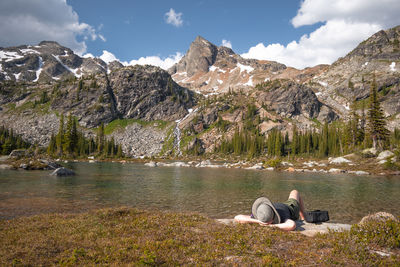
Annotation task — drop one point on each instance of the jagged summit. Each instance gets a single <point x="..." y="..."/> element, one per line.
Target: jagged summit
<point x="200" y="56"/>
<point x="209" y="69"/>
<point x="45" y="62"/>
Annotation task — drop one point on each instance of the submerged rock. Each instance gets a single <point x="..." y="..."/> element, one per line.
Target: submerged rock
<point x="173" y="164"/>
<point x="63" y="172"/>
<point x="151" y="164"/>
<point x="359" y="172"/>
<point x="334" y="170"/>
<point x="257" y="166"/>
<point x="5" y="167"/>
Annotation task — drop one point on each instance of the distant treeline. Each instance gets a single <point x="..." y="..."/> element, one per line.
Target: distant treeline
<point x="10" y="141"/>
<point x="69" y="141"/>
<point x="359" y="131"/>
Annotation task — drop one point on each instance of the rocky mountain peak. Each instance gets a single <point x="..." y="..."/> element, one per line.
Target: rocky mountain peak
<point x="200" y="56"/>
<point x="384" y="44"/>
<point x="45" y="62"/>
<point x="211" y="70"/>
<point x="225" y="51"/>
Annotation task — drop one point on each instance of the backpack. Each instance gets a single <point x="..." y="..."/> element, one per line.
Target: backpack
<point x="316" y="216"/>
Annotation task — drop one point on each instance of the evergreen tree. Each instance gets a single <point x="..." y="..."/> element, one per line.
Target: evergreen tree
<point x="74" y="135"/>
<point x="100" y="139"/>
<point x="119" y="152"/>
<point x="376" y="119"/>
<point x="52" y="147"/>
<point x="361" y="135"/>
<point x="7" y="147"/>
<point x="324" y="146"/>
<point x="278" y="144"/>
<point x="68" y="142"/>
<point x="60" y="136"/>
<point x="295" y="140"/>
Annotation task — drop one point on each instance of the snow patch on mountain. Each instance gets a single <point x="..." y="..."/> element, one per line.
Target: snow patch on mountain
<point x="393" y="66"/>
<point x="29" y="51"/>
<point x="74" y="71"/>
<point x="39" y="70"/>
<point x="250" y="81"/>
<point x="244" y="68"/>
<point x="9" y="56"/>
<point x="324" y="84"/>
<point x="213" y="68"/>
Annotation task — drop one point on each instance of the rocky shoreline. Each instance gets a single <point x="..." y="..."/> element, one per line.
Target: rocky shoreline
<point x="368" y="162"/>
<point x="350" y="164"/>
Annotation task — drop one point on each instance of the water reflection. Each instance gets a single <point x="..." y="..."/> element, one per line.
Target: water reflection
<point x="217" y="193"/>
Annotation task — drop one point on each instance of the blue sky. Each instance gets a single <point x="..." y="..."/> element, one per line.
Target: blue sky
<point x="296" y="33"/>
<point x="138" y="28"/>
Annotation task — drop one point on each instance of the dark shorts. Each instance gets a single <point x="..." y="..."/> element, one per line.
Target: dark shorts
<point x="294" y="208"/>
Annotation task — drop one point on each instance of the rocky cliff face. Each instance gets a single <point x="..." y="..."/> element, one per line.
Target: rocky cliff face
<point x="350" y="77"/>
<point x="293" y="100"/>
<point x="148" y="93"/>
<point x="53" y="80"/>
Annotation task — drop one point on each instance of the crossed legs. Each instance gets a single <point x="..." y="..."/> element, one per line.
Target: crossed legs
<point x="296" y="195"/>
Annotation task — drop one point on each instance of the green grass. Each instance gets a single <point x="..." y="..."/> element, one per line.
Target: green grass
<point x="126" y="236"/>
<point x="168" y="141"/>
<point x="123" y="123"/>
<point x="185" y="141"/>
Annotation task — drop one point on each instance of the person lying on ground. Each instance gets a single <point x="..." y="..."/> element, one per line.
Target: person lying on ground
<point x="281" y="215"/>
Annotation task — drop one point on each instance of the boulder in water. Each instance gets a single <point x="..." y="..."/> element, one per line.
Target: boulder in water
<point x="62" y="172"/>
<point x="151" y="164"/>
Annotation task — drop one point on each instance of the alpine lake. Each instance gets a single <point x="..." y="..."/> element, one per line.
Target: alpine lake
<point x="214" y="192"/>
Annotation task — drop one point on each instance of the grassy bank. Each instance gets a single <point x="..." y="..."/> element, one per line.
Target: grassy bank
<point x="125" y="236"/>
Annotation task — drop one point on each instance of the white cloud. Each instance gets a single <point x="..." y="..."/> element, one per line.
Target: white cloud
<point x="346" y="24"/>
<point x="88" y="55"/>
<point x="29" y="22"/>
<point x="108" y="57"/>
<point x="226" y="43"/>
<point x="173" y="18"/>
<point x="382" y="12"/>
<point x="165" y="63"/>
<point x="102" y="37"/>
<point x="323" y="46"/>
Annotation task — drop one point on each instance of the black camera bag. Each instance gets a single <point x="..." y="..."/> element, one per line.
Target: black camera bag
<point x="316" y="216"/>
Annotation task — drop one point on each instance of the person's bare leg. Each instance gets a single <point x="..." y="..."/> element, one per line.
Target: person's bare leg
<point x="296" y="195"/>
